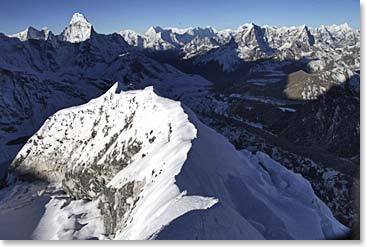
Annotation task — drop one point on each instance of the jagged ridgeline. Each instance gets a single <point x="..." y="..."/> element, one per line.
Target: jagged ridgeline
<point x="108" y="136"/>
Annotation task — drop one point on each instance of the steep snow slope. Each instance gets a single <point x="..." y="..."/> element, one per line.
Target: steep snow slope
<point x="157" y="172"/>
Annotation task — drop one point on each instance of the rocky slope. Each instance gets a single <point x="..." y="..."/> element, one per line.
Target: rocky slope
<point x="156" y="172"/>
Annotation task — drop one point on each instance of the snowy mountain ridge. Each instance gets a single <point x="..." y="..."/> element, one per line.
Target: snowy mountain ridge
<point x="277" y="36"/>
<point x="331" y="52"/>
<point x="161" y="170"/>
<point x="246" y="71"/>
<point x="274" y="38"/>
<point x="79" y="30"/>
<point x="231" y="48"/>
<point x="33" y="33"/>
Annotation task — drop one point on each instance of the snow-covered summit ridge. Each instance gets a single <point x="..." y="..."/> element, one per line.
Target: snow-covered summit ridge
<point x="157" y="172"/>
<point x="137" y="144"/>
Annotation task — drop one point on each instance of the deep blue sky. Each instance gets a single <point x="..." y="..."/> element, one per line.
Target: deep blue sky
<point x="114" y="15"/>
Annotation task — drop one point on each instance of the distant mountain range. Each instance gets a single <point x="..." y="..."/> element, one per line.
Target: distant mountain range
<point x="180" y="133"/>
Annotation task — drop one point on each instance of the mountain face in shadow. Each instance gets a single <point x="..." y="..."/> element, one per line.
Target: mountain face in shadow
<point x="332" y="121"/>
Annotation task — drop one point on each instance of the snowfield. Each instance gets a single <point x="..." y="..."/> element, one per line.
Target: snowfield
<point x="134" y="165"/>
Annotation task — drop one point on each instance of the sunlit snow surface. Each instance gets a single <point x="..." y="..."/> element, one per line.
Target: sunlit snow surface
<point x="189" y="181"/>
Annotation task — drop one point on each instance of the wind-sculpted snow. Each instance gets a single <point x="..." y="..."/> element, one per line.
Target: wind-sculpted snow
<point x="156" y="171"/>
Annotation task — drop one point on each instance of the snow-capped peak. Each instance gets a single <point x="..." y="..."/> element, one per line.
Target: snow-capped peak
<point x="342" y="28"/>
<point x="78" y="30"/>
<point x="345" y="26"/>
<point x="251" y="27"/>
<point x="246" y="26"/>
<point x="253" y="36"/>
<point x="154" y="30"/>
<point x="305" y="36"/>
<point x="78" y="17"/>
<point x="132" y="38"/>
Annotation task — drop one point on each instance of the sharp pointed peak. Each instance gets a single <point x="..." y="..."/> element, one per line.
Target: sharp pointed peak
<point x="78" y="17"/>
<point x="248" y="26"/>
<point x="152" y="30"/>
<point x="155" y="28"/>
<point x="304" y="27"/>
<point x="245" y="25"/>
<point x="78" y="30"/>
